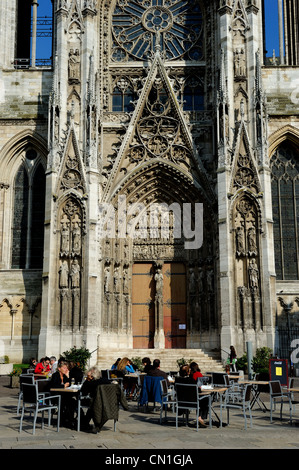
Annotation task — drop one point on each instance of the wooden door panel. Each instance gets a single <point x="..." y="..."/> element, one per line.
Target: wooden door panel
<point x="174" y="305"/>
<point x="143" y="308"/>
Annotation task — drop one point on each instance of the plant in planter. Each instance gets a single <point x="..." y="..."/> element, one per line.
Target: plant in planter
<point x="14" y="377"/>
<point x="79" y="356"/>
<point x="260" y="362"/>
<point x="182" y="361"/>
<point x="137" y="363"/>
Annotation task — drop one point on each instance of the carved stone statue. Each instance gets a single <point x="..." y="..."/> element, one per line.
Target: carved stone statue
<point x="107" y="279"/>
<point x="65" y="240"/>
<point x="63" y="275"/>
<point x="159" y="282"/>
<point x="74" y="65"/>
<point x="200" y="280"/>
<point x="76" y="239"/>
<point x="252" y="248"/>
<point x="75" y="273"/>
<point x="210" y="278"/>
<point x="125" y="281"/>
<point x="191" y="281"/>
<point x="253" y="274"/>
<point x="240" y="241"/>
<point x="240" y="63"/>
<point x="116" y="279"/>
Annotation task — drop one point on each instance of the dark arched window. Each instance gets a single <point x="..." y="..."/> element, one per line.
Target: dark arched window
<point x="285" y="201"/>
<point x="122" y="99"/>
<point x="193" y="96"/>
<point x="20" y="219"/>
<point x="28" y="216"/>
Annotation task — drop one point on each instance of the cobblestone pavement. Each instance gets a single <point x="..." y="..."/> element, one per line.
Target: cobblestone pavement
<point x="138" y="430"/>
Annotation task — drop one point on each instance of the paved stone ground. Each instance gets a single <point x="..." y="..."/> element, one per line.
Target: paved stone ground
<point x="138" y="430"/>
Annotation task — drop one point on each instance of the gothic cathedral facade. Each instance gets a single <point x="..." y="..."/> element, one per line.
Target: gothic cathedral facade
<point x="158" y="122"/>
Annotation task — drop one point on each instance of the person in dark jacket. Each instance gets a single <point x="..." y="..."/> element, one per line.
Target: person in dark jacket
<point x="61" y="379"/>
<point x="90" y="387"/>
<point x="157" y="372"/>
<point x="75" y="373"/>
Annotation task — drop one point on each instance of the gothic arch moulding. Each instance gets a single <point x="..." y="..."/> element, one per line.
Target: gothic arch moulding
<point x="288" y="132"/>
<point x="15" y="146"/>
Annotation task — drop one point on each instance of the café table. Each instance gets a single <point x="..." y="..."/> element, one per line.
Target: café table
<point x="211" y="393"/>
<point x="256" y="392"/>
<point x="67" y="393"/>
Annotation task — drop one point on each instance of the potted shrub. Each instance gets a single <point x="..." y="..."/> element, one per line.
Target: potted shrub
<point x="14" y="377"/>
<point x="79" y="356"/>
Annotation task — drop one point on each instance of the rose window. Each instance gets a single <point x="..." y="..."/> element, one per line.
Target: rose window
<point x="139" y="26"/>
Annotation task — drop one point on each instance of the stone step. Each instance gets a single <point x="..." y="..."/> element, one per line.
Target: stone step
<point x="168" y="357"/>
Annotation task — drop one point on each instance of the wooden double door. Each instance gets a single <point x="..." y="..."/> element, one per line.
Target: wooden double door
<point x="145" y="308"/>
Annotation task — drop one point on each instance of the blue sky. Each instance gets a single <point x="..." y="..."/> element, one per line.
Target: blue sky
<point x="272" y="39"/>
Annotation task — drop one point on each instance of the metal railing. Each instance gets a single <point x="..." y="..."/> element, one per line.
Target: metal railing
<point x="26" y="63"/>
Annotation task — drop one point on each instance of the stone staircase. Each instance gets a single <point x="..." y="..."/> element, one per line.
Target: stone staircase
<point x="168" y="357"/>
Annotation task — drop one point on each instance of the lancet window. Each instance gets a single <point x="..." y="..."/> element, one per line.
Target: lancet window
<point x="285" y="201"/>
<point x="28" y="214"/>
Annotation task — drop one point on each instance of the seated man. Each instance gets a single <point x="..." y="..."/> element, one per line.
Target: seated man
<point x="157" y="372"/>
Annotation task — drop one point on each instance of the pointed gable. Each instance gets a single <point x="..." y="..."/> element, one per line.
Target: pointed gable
<point x="157" y="131"/>
<point x="71" y="175"/>
<point x="244" y="171"/>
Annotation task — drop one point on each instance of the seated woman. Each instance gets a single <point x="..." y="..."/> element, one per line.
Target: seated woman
<point x="43" y="367"/>
<point x="187" y="376"/>
<point x="92" y="380"/>
<point x="195" y="371"/>
<point x="61" y="379"/>
<point x="129" y="383"/>
<point x="114" y="366"/>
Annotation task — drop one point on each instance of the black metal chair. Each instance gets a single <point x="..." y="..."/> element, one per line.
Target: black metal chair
<point x="24" y="378"/>
<point x="244" y="404"/>
<point x="278" y="394"/>
<point x="117" y="375"/>
<point x="168" y="398"/>
<point x="84" y="402"/>
<point x="293" y="383"/>
<point x="32" y="403"/>
<point x="188" y="399"/>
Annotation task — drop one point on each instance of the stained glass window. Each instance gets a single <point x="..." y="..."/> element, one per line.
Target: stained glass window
<point x="140" y="26"/>
<point x="285" y="200"/>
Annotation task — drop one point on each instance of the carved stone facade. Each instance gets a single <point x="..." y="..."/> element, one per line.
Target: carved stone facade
<point x="151" y="108"/>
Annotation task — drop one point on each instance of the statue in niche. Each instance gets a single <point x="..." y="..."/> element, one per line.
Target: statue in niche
<point x="240" y="241"/>
<point x="159" y="282"/>
<point x="116" y="279"/>
<point x="125" y="281"/>
<point x="75" y="273"/>
<point x="76" y="239"/>
<point x="200" y="280"/>
<point x="240" y="63"/>
<point x="252" y="248"/>
<point x="63" y="275"/>
<point x="65" y="240"/>
<point x="210" y="278"/>
<point x="191" y="281"/>
<point x="107" y="279"/>
<point x="74" y="65"/>
<point x="253" y="274"/>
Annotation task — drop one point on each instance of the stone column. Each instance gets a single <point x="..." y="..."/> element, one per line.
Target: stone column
<point x="34" y="23"/>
